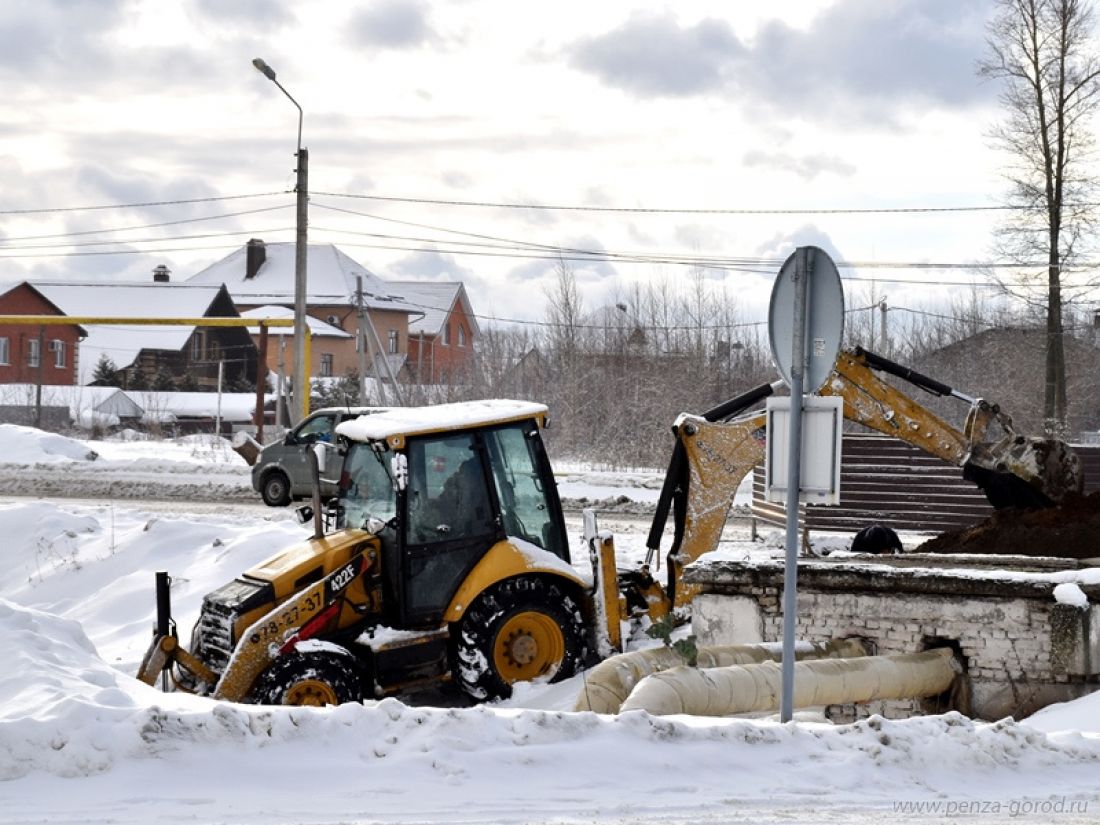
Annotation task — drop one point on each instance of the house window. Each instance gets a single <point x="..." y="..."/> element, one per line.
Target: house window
<point x="326" y="364"/>
<point x="461" y="335"/>
<point x="57" y="347"/>
<point x="34" y="355"/>
<point x="446" y="335"/>
<point x="393" y="342"/>
<point x="5" y="351"/>
<point x="196" y="346"/>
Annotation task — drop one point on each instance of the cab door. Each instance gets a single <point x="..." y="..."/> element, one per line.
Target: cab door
<point x="450" y="522"/>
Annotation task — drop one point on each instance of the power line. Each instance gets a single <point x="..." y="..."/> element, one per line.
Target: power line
<point x="202" y="236"/>
<point x="674" y="211"/>
<point x="8" y="240"/>
<point x="101" y="207"/>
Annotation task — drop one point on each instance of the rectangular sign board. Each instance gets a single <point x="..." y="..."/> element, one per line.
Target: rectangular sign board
<point x="822" y="437"/>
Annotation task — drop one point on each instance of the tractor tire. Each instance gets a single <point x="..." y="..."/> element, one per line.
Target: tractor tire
<point x="276" y="490"/>
<point x="315" y="678"/>
<point x="518" y="630"/>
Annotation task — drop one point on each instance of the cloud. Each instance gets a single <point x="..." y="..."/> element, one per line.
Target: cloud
<point x="392" y="24"/>
<point x="782" y="244"/>
<point x="59" y="33"/>
<point x="804" y="166"/>
<point x="651" y="55"/>
<point x="864" y="58"/>
<point x="429" y="266"/>
<point x="256" y="15"/>
<point x="73" y="43"/>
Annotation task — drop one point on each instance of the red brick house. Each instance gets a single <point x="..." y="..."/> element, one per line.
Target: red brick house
<point x="36" y="353"/>
<point x="441" y="343"/>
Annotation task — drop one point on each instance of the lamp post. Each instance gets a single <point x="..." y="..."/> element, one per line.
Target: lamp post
<point x="300" y="396"/>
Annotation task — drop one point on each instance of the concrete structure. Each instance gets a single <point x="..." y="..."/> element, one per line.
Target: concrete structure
<point x="1022" y="648"/>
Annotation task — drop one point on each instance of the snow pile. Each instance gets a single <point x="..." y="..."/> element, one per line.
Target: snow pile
<point x="1081" y="715"/>
<point x="27" y="445"/>
<point x="1070" y="593"/>
<point x="65" y="712"/>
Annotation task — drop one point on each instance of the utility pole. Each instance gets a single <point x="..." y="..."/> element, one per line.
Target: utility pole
<point x="302" y="383"/>
<point x="884" y="341"/>
<point x="280" y="401"/>
<point x="38" y="386"/>
<point x="361" y="339"/>
<point x="218" y="418"/>
<point x="365" y="320"/>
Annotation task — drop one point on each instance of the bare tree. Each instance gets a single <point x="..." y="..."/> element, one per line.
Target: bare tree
<point x="1043" y="51"/>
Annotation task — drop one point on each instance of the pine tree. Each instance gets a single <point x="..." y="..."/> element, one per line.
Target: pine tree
<point x="106" y="373"/>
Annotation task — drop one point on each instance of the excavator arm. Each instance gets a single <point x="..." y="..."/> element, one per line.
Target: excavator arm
<point x="715" y="451"/>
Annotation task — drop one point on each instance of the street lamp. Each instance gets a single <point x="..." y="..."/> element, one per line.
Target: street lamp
<point x="300" y="396"/>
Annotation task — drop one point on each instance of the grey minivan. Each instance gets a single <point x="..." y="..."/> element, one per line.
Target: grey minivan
<point x="281" y="472"/>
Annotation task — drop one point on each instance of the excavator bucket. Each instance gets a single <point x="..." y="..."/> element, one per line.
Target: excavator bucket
<point x="1026" y="472"/>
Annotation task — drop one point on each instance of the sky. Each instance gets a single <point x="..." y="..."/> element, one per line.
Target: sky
<point x="629" y="105"/>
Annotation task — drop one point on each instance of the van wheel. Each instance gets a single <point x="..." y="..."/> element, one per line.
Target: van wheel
<point x="276" y="490"/>
<point x="310" y="679"/>
<point x="518" y="630"/>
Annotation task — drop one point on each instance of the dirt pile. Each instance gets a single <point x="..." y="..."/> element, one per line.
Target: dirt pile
<point x="1071" y="530"/>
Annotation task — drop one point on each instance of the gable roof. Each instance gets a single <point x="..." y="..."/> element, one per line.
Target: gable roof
<point x="30" y="286"/>
<point x="122" y="344"/>
<point x="436" y="299"/>
<point x="330" y="278"/>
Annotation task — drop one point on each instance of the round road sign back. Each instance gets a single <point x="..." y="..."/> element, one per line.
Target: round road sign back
<point x="824" y="316"/>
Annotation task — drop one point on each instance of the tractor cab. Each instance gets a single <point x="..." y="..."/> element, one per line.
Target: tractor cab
<point x="440" y="494"/>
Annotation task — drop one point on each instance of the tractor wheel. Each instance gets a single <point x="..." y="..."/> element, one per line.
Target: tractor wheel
<point x="313" y="678"/>
<point x="519" y="629"/>
<point x="276" y="490"/>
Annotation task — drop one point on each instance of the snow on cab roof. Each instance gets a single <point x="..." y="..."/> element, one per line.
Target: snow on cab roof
<point x="403" y="421"/>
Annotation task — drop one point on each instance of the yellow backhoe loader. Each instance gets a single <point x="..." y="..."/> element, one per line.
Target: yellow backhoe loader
<point x="446" y="555"/>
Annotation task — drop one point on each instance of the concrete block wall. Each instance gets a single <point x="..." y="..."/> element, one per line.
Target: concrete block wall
<point x="1018" y="654"/>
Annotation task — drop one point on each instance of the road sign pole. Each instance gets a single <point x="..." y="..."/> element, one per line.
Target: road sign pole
<point x="802" y="275"/>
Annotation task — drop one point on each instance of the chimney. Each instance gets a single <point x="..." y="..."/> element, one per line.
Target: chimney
<point x="255" y="256"/>
<point x="161" y="274"/>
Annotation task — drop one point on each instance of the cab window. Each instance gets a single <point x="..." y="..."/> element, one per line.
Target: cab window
<point x="448" y="498"/>
<point x="365" y="486"/>
<point x="521" y="488"/>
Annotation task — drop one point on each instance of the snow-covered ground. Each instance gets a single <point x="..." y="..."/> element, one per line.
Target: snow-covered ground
<point x="82" y="741"/>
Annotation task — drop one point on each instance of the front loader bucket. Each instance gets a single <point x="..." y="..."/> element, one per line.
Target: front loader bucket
<point x="1027" y="472"/>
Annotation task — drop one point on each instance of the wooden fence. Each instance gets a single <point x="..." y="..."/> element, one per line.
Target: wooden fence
<point x="888" y="481"/>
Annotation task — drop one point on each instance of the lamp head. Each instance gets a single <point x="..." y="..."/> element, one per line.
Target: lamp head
<point x="263" y="68"/>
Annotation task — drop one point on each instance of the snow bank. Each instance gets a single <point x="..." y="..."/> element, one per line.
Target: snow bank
<point x="27" y="445"/>
<point x="64" y="711"/>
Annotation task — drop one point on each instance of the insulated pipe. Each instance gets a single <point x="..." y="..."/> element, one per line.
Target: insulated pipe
<point x="752" y="688"/>
<point x="608" y="684"/>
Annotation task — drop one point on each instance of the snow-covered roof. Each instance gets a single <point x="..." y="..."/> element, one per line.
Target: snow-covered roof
<point x="316" y="326"/>
<point x="330" y="278"/>
<point x="129" y="299"/>
<point x="122" y="344"/>
<point x="436" y="300"/>
<point x="171" y="406"/>
<point x="79" y="399"/>
<point x="403" y="421"/>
